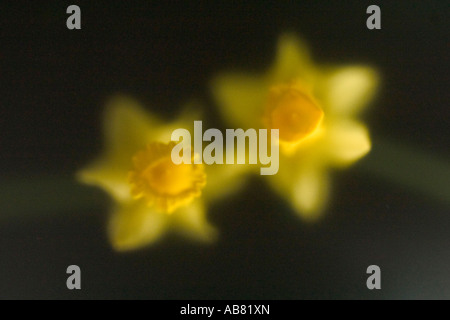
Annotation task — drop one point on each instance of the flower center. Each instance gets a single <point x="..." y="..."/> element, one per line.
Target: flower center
<point x="165" y="185"/>
<point x="165" y="177"/>
<point x="293" y="111"/>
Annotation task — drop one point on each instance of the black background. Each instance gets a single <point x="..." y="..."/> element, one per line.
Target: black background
<point x="53" y="85"/>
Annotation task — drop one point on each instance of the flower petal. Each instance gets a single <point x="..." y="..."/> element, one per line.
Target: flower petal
<point x="303" y="183"/>
<point x="292" y="60"/>
<point x="189" y="113"/>
<point x="345" y="142"/>
<point x="309" y="192"/>
<point x="134" y="225"/>
<point x="345" y="91"/>
<point x="224" y="180"/>
<point x="111" y="177"/>
<point x="191" y="221"/>
<point x="241" y="99"/>
<point x="127" y="127"/>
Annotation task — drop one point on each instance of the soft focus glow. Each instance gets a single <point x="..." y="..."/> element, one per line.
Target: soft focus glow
<point x="291" y="110"/>
<point x="135" y="169"/>
<point x="310" y="191"/>
<point x="347" y="90"/>
<point x="161" y="182"/>
<point x="314" y="108"/>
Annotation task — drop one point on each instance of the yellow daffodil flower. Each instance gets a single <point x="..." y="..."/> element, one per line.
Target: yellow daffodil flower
<point x="152" y="195"/>
<point x="315" y="110"/>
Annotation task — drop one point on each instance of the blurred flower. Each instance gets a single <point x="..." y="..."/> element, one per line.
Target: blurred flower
<point x="152" y="195"/>
<point x="315" y="110"/>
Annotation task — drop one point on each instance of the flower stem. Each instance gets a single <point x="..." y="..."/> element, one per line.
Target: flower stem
<point x="421" y="172"/>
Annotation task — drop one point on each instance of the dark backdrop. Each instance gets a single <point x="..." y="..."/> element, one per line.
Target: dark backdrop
<point x="53" y="86"/>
